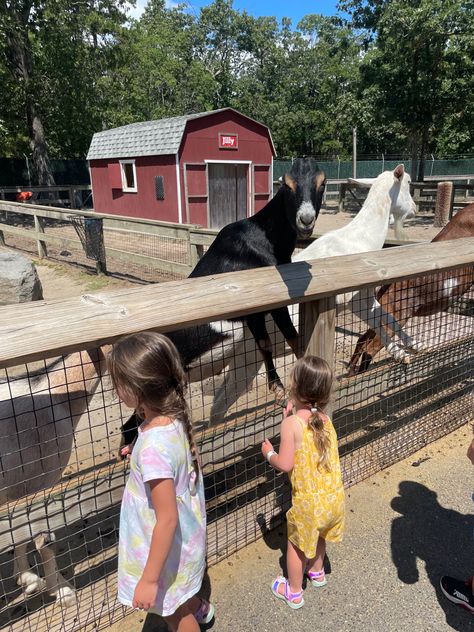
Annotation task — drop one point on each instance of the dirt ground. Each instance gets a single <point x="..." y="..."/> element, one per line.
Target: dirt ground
<point x="406" y="526"/>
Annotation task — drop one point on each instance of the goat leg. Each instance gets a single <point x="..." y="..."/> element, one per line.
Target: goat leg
<point x="256" y="324"/>
<point x="284" y="323"/>
<point x="56" y="584"/>
<point x="360" y="353"/>
<point x="30" y="582"/>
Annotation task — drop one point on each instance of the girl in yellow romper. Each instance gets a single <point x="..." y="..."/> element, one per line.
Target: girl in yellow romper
<point x="308" y="452"/>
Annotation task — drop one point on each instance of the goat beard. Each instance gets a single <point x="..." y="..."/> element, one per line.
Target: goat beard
<point x="400" y="233"/>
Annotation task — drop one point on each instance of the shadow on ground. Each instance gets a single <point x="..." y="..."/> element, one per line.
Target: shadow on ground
<point x="441" y="538"/>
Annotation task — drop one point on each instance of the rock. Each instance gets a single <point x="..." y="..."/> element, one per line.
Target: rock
<point x="19" y="282"/>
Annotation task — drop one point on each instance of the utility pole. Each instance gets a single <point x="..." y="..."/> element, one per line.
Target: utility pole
<point x="354" y="152"/>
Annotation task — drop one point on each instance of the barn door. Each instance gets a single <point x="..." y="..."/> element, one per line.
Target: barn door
<point x="227" y="193"/>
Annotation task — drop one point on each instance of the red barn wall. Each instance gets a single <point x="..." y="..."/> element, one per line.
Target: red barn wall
<point x="201" y="142"/>
<point x="143" y="203"/>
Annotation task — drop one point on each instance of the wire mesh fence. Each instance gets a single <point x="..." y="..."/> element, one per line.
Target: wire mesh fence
<point x="60" y="426"/>
<point x="142" y="255"/>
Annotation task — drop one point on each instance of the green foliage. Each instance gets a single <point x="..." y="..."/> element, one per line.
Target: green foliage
<point x="400" y="70"/>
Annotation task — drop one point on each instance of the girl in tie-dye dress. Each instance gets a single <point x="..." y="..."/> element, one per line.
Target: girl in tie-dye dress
<point x="308" y="452"/>
<point x="162" y="540"/>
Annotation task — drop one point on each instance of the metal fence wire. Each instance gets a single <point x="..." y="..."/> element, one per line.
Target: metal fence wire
<point x="91" y="234"/>
<point x="60" y="434"/>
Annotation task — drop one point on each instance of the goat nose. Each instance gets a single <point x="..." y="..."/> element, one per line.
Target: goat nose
<point x="307" y="214"/>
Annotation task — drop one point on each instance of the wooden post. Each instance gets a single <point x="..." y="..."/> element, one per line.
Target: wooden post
<point x="72" y="197"/>
<point x="342" y="195"/>
<point x="42" y="250"/>
<point x="319" y="331"/>
<point x="444" y="200"/>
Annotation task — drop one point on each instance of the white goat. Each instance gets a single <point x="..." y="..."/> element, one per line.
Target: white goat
<point x="389" y="196"/>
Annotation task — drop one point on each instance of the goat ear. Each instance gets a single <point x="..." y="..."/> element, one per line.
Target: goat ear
<point x="288" y="180"/>
<point x="319" y="180"/>
<point x="399" y="171"/>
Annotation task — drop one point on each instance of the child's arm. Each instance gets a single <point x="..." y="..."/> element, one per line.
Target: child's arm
<point x="285" y="459"/>
<point x="163" y="497"/>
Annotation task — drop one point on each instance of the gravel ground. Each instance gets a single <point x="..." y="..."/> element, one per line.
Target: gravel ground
<point x="406" y="526"/>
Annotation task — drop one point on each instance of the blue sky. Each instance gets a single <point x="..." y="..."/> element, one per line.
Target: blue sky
<point x="278" y="8"/>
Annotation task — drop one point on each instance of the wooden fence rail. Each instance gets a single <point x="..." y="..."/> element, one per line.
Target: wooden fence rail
<point x="52" y="328"/>
<point x="194" y="238"/>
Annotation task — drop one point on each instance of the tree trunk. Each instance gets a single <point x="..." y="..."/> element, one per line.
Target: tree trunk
<point x="39" y="150"/>
<point x="421" y="164"/>
<point x="20" y="63"/>
<point x="413" y="154"/>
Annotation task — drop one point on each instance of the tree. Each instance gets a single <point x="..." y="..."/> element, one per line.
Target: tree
<point x="415" y="50"/>
<point x="52" y="51"/>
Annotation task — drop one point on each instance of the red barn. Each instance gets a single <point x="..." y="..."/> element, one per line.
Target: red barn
<point x="210" y="168"/>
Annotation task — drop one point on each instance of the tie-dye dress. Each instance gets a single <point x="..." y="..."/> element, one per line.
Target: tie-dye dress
<point x="162" y="452"/>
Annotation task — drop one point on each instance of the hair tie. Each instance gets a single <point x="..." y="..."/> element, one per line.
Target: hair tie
<point x="314" y="409"/>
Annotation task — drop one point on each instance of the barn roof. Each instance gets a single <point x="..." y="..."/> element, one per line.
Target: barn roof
<point x="148" y="138"/>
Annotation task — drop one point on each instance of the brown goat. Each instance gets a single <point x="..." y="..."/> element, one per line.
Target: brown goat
<point x="396" y="303"/>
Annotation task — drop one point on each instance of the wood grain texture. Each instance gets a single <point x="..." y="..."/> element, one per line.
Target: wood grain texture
<point x="47" y="328"/>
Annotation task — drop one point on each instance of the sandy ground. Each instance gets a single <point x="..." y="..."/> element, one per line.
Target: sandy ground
<point x="406" y="526"/>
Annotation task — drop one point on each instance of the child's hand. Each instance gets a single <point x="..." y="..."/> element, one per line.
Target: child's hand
<point x="266" y="447"/>
<point x="145" y="594"/>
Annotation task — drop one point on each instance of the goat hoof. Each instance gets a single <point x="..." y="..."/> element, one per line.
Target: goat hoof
<point x="66" y="596"/>
<point x="31" y="583"/>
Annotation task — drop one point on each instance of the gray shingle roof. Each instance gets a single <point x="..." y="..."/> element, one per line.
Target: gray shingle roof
<point x="149" y="138"/>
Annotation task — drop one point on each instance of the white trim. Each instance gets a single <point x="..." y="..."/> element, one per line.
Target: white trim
<point x="271" y="180"/>
<point x="235" y="162"/>
<point x="178" y="189"/>
<point x="126" y="189"/>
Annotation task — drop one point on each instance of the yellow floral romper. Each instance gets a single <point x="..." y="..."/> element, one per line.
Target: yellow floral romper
<point x="317" y="494"/>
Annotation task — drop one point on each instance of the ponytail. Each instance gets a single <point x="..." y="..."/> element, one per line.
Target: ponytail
<point x="188" y="428"/>
<point x="321" y="437"/>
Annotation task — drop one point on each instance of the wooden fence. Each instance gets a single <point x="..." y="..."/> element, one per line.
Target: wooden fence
<point x="173" y="252"/>
<point x="244" y="495"/>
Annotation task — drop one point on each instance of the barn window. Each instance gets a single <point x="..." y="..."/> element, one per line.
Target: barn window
<point x="159" y="188"/>
<point x="129" y="176"/>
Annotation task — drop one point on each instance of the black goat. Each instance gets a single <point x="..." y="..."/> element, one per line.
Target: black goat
<point x="266" y="239"/>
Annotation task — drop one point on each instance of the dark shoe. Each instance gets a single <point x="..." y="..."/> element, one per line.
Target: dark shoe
<point x="458" y="592"/>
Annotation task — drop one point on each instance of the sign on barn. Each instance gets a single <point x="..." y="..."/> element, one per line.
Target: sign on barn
<point x="210" y="168"/>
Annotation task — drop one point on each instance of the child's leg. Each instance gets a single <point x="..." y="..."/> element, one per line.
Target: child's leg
<point x="183" y="620"/>
<point x="317" y="563"/>
<point x="295" y="561"/>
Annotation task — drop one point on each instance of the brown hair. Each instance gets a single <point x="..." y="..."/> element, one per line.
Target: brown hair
<point x="312" y="380"/>
<point x="148" y="367"/>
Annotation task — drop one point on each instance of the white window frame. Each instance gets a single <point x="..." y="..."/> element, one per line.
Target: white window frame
<point x="125" y="188"/>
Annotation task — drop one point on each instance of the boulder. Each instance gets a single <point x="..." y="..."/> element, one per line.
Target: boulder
<point x="19" y="281"/>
